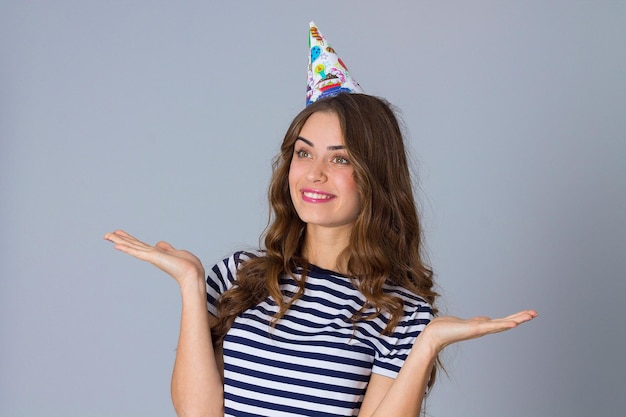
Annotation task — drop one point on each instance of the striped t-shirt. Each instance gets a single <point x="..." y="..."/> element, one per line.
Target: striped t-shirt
<point x="314" y="362"/>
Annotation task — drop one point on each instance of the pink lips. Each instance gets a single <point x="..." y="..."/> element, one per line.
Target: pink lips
<point x="315" y="196"/>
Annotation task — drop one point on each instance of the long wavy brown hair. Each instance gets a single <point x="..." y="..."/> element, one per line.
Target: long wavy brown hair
<point x="385" y="243"/>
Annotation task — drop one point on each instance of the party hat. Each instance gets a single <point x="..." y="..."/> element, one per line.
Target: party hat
<point x="327" y="75"/>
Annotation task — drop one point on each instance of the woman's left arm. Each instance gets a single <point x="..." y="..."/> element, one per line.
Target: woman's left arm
<point x="403" y="396"/>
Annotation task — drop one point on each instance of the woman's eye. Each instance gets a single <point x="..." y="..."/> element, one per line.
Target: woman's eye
<point x="302" y="153"/>
<point x="340" y="160"/>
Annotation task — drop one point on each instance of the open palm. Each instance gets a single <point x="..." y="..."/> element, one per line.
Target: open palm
<point x="446" y="330"/>
<point x="180" y="264"/>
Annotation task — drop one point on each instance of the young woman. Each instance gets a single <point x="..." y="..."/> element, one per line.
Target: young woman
<point x="335" y="316"/>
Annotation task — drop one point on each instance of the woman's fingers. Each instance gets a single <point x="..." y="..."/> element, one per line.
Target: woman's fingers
<point x="514" y="320"/>
<point x="519" y="317"/>
<point x="509" y="322"/>
<point x="129" y="244"/>
<point x="119" y="236"/>
<point x="522" y="316"/>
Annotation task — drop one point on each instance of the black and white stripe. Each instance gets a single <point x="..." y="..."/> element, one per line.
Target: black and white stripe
<point x="315" y="361"/>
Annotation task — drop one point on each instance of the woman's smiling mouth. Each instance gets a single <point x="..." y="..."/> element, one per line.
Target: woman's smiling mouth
<point x="315" y="196"/>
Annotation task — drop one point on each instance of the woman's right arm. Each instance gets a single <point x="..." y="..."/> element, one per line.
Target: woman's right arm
<point x="197" y="388"/>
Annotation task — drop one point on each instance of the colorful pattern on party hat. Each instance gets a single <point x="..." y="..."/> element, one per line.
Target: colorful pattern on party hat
<point x="327" y="75"/>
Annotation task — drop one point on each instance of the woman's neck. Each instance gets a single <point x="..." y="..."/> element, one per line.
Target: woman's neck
<point x="323" y="245"/>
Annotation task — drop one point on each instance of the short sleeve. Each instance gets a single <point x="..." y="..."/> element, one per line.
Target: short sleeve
<point x="222" y="276"/>
<point x="389" y="361"/>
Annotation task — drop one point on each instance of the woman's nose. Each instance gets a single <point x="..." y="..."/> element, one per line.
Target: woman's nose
<point x="317" y="171"/>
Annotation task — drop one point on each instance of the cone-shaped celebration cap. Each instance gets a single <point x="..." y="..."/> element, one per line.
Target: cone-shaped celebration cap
<point x="327" y="75"/>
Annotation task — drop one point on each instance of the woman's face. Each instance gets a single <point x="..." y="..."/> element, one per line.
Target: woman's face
<point x="321" y="180"/>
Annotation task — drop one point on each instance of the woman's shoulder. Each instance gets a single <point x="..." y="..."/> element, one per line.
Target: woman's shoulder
<point x="243" y="255"/>
<point x="413" y="303"/>
<point x="405" y="294"/>
<point x="223" y="274"/>
<point x="231" y="263"/>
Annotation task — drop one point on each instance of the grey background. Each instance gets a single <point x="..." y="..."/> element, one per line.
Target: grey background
<point x="162" y="118"/>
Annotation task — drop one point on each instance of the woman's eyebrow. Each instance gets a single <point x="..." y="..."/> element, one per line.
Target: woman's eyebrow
<point x="330" y="148"/>
<point x="308" y="142"/>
